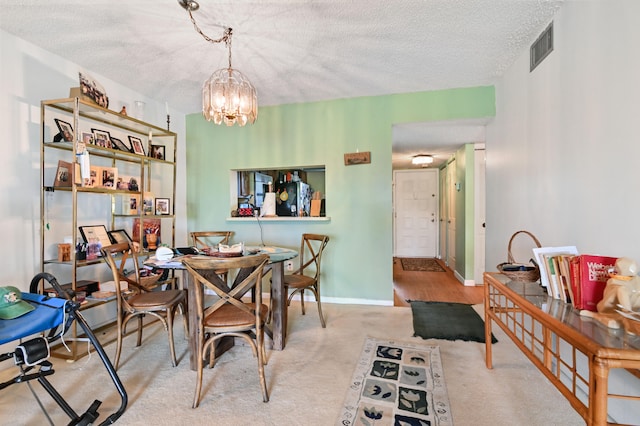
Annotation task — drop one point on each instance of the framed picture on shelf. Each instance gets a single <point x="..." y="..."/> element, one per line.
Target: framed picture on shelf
<point x="95" y="232"/>
<point x="163" y="206"/>
<point x="136" y="145"/>
<point x="131" y="204"/>
<point x="95" y="177"/>
<point x="87" y="138"/>
<point x="157" y="152"/>
<point x="118" y="144"/>
<point x="66" y="131"/>
<point x="65" y="174"/>
<point x="101" y="138"/>
<point x="93" y="90"/>
<point x="119" y="236"/>
<point x="128" y="183"/>
<point x="109" y="177"/>
<point x="149" y="226"/>
<point x="147" y="204"/>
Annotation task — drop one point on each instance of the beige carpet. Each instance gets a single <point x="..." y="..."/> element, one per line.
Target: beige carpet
<point x="307" y="381"/>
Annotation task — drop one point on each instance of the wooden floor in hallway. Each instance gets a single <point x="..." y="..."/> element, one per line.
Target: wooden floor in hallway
<point x="431" y="286"/>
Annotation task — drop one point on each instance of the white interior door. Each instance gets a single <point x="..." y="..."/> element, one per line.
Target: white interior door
<point x="442" y="220"/>
<point x="480" y="215"/>
<point x="451" y="215"/>
<point x="416" y="213"/>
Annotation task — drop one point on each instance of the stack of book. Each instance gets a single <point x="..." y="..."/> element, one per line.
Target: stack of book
<point x="574" y="278"/>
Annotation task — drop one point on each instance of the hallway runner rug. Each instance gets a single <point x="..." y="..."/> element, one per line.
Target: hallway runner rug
<point x="422" y="264"/>
<point x="397" y="383"/>
<point x="448" y="321"/>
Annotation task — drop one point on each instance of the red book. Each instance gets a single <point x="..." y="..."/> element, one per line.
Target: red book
<point x="590" y="274"/>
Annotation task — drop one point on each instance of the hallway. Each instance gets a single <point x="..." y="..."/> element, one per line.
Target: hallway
<point x="431" y="286"/>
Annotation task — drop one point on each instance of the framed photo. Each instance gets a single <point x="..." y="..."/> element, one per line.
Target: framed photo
<point x="149" y="226"/>
<point x="157" y="152"/>
<point x="147" y="203"/>
<point x="128" y="183"/>
<point x="109" y="177"/>
<point x="118" y="144"/>
<point x="64" y="174"/>
<point x="95" y="177"/>
<point x="119" y="236"/>
<point x="87" y="138"/>
<point x="95" y="232"/>
<point x="163" y="206"/>
<point x="66" y="131"/>
<point x="93" y="90"/>
<point x="136" y="145"/>
<point x="101" y="138"/>
<point x="131" y="204"/>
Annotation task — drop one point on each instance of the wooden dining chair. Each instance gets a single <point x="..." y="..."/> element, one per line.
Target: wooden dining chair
<point x="206" y="239"/>
<point x="141" y="299"/>
<point x="211" y="239"/>
<point x="307" y="276"/>
<point x="229" y="315"/>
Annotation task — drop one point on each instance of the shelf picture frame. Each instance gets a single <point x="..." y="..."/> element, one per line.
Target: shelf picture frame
<point x="101" y="138"/>
<point x="136" y="145"/>
<point x="157" y="152"/>
<point x="119" y="236"/>
<point x="64" y="175"/>
<point x="109" y="177"/>
<point x="98" y="232"/>
<point x="148" y="203"/>
<point x="163" y="206"/>
<point x="131" y="204"/>
<point x="95" y="177"/>
<point x="118" y="144"/>
<point x="87" y="138"/>
<point x="66" y="131"/>
<point x="149" y="226"/>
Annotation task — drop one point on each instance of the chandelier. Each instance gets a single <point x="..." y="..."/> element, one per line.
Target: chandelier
<point x="227" y="96"/>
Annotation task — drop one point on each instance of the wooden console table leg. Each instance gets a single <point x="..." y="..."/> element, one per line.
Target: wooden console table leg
<point x="487" y="327"/>
<point x="599" y="393"/>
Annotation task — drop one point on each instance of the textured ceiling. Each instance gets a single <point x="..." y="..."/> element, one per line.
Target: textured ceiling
<point x="292" y="50"/>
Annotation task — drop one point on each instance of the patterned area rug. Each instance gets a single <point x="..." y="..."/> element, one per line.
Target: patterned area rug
<point x="420" y="264"/>
<point x="397" y="384"/>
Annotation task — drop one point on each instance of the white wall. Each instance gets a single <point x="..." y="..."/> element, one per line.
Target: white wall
<point x="28" y="75"/>
<point x="563" y="153"/>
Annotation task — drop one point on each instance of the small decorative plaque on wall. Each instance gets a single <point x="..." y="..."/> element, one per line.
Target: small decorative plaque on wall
<point x="353" y="158"/>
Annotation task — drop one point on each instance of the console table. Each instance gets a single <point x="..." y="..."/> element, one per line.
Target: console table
<point x="575" y="353"/>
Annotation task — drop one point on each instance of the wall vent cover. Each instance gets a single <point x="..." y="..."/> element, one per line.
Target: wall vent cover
<point x="541" y="48"/>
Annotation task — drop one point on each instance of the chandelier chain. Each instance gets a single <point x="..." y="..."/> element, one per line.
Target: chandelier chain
<point x="227" y="96"/>
<point x="226" y="38"/>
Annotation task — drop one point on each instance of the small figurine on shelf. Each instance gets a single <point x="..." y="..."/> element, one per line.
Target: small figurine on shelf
<point x="623" y="288"/>
<point x="622" y="292"/>
<point x="123" y="111"/>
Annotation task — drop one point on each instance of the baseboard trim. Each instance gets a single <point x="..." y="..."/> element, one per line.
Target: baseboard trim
<point x="342" y="300"/>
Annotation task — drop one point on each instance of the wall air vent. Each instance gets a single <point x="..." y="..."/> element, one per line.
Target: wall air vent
<point x="541" y="47"/>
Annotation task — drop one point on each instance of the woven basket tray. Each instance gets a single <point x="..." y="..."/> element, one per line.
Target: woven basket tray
<point x="523" y="273"/>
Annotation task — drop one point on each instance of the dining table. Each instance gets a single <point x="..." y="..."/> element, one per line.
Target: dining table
<point x="276" y="329"/>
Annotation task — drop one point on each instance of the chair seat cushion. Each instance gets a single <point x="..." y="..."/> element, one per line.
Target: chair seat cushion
<point x="156" y="298"/>
<point x="230" y="316"/>
<point x="298" y="281"/>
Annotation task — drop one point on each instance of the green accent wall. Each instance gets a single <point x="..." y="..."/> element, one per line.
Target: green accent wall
<point x="358" y="260"/>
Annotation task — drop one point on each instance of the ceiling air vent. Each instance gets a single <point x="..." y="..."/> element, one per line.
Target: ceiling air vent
<point x="541" y="47"/>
